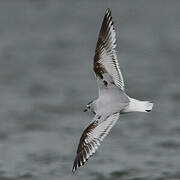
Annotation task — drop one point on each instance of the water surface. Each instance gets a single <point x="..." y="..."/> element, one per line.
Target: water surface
<point x="46" y="79"/>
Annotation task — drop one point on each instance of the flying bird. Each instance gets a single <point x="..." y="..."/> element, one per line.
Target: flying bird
<point x="112" y="100"/>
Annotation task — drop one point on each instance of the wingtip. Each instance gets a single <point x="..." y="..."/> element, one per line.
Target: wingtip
<point x="108" y="10"/>
<point x="75" y="167"/>
<point x="73" y="170"/>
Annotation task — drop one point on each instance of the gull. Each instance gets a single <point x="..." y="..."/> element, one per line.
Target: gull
<point x="112" y="100"/>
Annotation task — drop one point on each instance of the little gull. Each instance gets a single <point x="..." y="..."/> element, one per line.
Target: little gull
<point x="112" y="100"/>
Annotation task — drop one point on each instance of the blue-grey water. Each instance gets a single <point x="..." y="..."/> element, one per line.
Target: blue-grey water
<point x="46" y="79"/>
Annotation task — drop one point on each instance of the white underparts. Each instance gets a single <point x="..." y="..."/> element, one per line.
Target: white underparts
<point x="136" y="105"/>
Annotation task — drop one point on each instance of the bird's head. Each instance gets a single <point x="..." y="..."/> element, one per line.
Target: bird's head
<point x="89" y="107"/>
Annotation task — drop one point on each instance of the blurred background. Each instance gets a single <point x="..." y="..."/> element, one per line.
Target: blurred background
<point x="46" y="79"/>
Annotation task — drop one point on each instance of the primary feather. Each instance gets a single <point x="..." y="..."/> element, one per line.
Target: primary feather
<point x="92" y="137"/>
<point x="106" y="65"/>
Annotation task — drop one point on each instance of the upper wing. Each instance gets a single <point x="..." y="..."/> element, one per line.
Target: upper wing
<point x="91" y="139"/>
<point x="106" y="65"/>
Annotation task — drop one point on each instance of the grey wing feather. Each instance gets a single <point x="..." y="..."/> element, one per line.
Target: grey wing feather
<point x="106" y="65"/>
<point x="91" y="138"/>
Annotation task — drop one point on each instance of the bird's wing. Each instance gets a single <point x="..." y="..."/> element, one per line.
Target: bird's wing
<point x="106" y="65"/>
<point x="91" y="139"/>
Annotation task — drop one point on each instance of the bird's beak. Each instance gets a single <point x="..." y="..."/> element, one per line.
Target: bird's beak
<point x="85" y="110"/>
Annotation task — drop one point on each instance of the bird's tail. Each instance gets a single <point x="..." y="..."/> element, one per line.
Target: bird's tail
<point x="137" y="105"/>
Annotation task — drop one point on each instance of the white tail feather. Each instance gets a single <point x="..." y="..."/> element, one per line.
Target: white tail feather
<point x="136" y="105"/>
